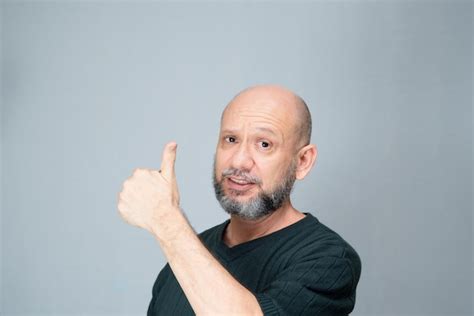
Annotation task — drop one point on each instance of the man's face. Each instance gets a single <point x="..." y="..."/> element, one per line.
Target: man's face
<point x="254" y="167"/>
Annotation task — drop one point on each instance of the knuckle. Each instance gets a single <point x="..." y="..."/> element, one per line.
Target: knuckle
<point x="126" y="184"/>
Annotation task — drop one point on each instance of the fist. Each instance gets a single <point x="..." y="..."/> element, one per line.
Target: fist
<point x="149" y="196"/>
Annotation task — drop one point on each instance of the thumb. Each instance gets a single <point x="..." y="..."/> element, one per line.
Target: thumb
<point x="168" y="159"/>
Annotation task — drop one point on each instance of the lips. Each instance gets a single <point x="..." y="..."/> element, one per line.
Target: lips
<point x="239" y="183"/>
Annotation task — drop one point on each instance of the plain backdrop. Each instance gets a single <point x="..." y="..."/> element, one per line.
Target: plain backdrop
<point x="92" y="90"/>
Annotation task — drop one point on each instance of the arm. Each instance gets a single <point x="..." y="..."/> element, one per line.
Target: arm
<point x="150" y="200"/>
<point x="209" y="287"/>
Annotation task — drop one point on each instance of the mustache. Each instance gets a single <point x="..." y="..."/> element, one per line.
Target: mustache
<point x="241" y="174"/>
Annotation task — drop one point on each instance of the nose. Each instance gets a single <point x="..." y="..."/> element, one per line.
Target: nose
<point x="242" y="158"/>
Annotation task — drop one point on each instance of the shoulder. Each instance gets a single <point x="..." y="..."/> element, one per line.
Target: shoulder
<point x="318" y="275"/>
<point x="321" y="243"/>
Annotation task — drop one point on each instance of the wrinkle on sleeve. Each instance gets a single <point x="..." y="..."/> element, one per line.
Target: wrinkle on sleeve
<point x="324" y="286"/>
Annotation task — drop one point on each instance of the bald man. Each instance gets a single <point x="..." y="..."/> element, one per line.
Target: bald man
<point x="268" y="258"/>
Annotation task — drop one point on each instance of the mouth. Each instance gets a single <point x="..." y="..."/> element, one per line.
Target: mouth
<point x="239" y="184"/>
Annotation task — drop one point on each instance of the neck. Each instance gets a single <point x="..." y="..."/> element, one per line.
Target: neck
<point x="240" y="230"/>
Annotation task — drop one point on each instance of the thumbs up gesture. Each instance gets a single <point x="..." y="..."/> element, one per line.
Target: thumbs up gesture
<point x="150" y="196"/>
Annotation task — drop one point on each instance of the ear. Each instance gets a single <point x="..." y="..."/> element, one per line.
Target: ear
<point x="306" y="158"/>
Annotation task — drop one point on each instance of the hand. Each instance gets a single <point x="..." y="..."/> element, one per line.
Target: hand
<point x="149" y="196"/>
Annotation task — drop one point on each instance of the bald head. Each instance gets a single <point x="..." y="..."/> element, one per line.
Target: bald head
<point x="278" y="99"/>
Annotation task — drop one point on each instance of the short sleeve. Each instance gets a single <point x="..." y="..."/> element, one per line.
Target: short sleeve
<point x="325" y="286"/>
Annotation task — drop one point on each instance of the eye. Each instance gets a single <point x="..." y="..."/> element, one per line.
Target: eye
<point x="230" y="139"/>
<point x="264" y="144"/>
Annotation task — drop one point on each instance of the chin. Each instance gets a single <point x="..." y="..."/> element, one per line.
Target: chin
<point x="241" y="196"/>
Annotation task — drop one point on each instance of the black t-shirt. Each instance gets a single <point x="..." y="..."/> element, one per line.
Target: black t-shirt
<point x="302" y="269"/>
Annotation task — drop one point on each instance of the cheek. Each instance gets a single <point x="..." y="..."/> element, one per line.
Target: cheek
<point x="222" y="158"/>
<point x="219" y="166"/>
<point x="271" y="173"/>
<point x="268" y="172"/>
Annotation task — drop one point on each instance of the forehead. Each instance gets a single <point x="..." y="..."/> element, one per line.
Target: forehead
<point x="261" y="111"/>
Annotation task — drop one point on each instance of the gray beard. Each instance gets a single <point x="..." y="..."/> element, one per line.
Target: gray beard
<point x="263" y="204"/>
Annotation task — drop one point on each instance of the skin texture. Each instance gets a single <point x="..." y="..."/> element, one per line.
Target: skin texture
<point x="150" y="198"/>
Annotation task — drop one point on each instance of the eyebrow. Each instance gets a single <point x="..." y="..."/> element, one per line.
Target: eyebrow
<point x="262" y="129"/>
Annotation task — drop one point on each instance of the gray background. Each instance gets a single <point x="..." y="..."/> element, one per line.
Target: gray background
<point x="92" y="90"/>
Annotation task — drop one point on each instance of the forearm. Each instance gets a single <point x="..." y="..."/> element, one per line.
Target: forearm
<point x="208" y="286"/>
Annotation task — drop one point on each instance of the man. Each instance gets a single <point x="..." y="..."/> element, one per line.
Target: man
<point x="269" y="258"/>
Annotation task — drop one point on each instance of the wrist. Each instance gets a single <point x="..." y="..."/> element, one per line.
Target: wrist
<point x="170" y="225"/>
